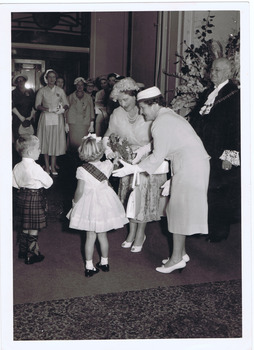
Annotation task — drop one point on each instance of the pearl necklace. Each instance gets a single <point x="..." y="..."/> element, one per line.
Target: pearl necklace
<point x="134" y="118"/>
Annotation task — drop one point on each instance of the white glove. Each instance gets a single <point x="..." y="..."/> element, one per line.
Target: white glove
<point x="126" y="170"/>
<point x="60" y="110"/>
<point x="109" y="154"/>
<point x="166" y="188"/>
<point x="91" y="127"/>
<point x="66" y="128"/>
<point x="108" y="151"/>
<point x="140" y="152"/>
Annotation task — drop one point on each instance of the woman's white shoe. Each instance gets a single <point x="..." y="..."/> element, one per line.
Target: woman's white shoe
<point x="126" y="244"/>
<point x="137" y="248"/>
<point x="185" y="257"/>
<point x="179" y="266"/>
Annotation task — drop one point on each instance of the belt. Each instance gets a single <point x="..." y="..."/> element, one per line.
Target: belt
<point x="33" y="190"/>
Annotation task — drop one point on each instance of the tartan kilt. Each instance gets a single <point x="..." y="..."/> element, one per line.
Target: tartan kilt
<point x="31" y="208"/>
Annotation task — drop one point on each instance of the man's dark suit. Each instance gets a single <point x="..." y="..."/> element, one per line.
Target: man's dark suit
<point x="220" y="130"/>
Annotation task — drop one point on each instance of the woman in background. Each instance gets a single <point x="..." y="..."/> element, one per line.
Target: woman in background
<point x="91" y="89"/>
<point x="52" y="102"/>
<point x="60" y="82"/>
<point x="80" y="116"/>
<point x="22" y="104"/>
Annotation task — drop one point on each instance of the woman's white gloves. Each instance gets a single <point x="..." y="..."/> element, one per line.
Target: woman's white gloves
<point x="91" y="127"/>
<point x="141" y="152"/>
<point x="66" y="128"/>
<point x="126" y="170"/>
<point x="108" y="151"/>
<point x="166" y="188"/>
<point x="60" y="110"/>
<point x="57" y="110"/>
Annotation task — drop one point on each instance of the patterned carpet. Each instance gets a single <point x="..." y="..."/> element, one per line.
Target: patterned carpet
<point x="209" y="310"/>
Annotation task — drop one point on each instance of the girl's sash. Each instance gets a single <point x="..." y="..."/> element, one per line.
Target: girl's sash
<point x="95" y="172"/>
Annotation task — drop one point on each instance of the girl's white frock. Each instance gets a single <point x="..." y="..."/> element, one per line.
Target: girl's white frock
<point x="99" y="209"/>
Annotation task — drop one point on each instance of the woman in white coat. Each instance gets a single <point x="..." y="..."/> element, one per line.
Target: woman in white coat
<point x="174" y="139"/>
<point x="52" y="102"/>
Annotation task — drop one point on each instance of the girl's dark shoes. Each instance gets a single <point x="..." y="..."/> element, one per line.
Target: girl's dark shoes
<point x="90" y="273"/>
<point x="29" y="260"/>
<point x="104" y="268"/>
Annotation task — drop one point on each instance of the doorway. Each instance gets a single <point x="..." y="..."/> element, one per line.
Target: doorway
<point x="33" y="69"/>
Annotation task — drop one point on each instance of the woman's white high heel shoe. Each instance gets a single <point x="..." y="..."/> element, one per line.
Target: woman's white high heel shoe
<point x="185" y="257"/>
<point x="179" y="266"/>
<point x="126" y="244"/>
<point x="138" y="248"/>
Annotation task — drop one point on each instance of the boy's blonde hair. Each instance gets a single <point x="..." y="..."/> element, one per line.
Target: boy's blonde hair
<point x="25" y="143"/>
<point x="90" y="149"/>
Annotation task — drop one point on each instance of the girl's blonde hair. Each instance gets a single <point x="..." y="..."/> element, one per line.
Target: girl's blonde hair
<point x="25" y="143"/>
<point x="90" y="150"/>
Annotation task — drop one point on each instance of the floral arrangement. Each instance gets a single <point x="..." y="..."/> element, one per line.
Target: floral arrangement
<point x="197" y="61"/>
<point x="121" y="148"/>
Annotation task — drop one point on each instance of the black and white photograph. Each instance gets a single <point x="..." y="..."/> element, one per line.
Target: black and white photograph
<point x="126" y="191"/>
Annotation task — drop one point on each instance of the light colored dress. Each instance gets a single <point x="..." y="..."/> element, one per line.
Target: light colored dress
<point x="99" y="209"/>
<point x="51" y="132"/>
<point x="79" y="117"/>
<point x="138" y="134"/>
<point x="176" y="140"/>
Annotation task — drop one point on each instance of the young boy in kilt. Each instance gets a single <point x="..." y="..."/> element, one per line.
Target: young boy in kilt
<point x="31" y="181"/>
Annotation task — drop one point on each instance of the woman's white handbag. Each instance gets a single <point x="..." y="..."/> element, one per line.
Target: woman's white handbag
<point x="26" y="128"/>
<point x="134" y="201"/>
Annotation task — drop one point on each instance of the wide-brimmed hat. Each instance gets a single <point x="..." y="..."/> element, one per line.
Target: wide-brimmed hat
<point x="46" y="74"/>
<point x="126" y="84"/>
<point x="78" y="79"/>
<point x="17" y="76"/>
<point x="149" y="93"/>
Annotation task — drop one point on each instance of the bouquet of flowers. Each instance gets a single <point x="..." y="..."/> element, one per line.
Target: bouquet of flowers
<point x="121" y="148"/>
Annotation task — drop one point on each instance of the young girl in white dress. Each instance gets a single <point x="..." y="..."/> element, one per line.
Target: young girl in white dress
<point x="96" y="207"/>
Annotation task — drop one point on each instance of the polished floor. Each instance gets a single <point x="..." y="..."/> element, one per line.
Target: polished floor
<point x="61" y="274"/>
<point x="49" y="289"/>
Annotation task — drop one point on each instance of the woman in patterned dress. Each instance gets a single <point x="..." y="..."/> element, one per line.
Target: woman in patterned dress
<point x="126" y="122"/>
<point x="80" y="115"/>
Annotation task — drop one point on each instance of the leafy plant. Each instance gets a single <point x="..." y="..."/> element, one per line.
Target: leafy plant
<point x="196" y="63"/>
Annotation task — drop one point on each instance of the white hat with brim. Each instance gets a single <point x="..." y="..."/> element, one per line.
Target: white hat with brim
<point x="77" y="80"/>
<point x="17" y="76"/>
<point x="148" y="93"/>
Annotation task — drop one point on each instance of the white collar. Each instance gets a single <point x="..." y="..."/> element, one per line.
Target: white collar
<point x="28" y="160"/>
<point x="220" y="86"/>
<point x="51" y="89"/>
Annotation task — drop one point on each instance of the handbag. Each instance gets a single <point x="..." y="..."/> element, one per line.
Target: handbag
<point x="134" y="201"/>
<point x="26" y="127"/>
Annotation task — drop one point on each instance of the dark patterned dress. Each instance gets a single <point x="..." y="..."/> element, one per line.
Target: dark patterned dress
<point x="24" y="102"/>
